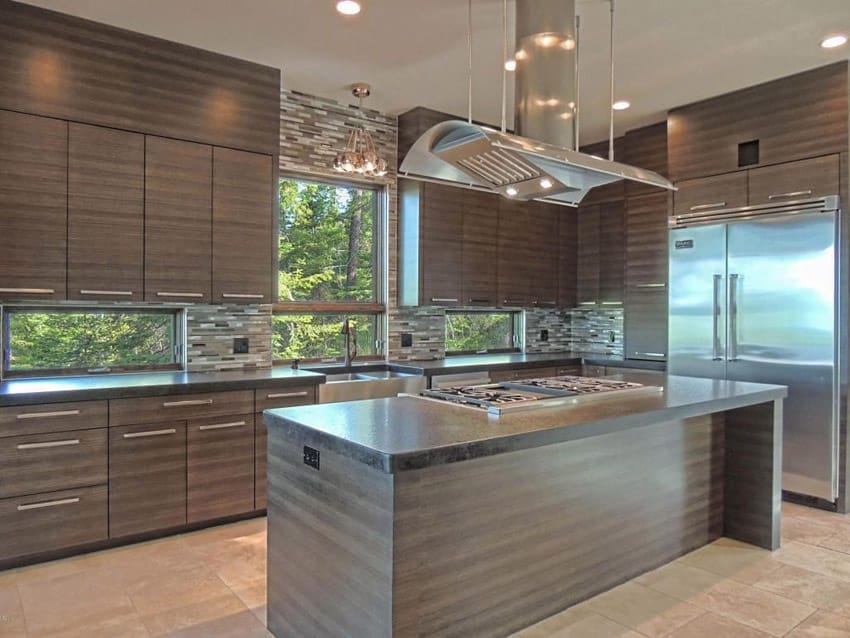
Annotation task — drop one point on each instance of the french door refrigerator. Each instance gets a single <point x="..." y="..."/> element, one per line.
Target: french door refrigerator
<point x="754" y="296"/>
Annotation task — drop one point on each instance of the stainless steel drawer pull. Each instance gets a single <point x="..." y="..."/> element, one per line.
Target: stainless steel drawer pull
<point x="443" y="300"/>
<point x="141" y="435"/>
<point x="110" y="293"/>
<point x="241" y="295"/>
<point x="586" y="303"/>
<point x="474" y="300"/>
<point x="196" y="295"/>
<point x="512" y="302"/>
<point x="182" y="404"/>
<point x="38" y="446"/>
<point x="651" y="286"/>
<point x="612" y="303"/>
<point x="544" y="302"/>
<point x="286" y="395"/>
<point x="38" y="506"/>
<point x="651" y="354"/>
<point x="791" y="194"/>
<point x="707" y="206"/>
<point x="29" y="291"/>
<point x="221" y="426"/>
<point x="46" y="415"/>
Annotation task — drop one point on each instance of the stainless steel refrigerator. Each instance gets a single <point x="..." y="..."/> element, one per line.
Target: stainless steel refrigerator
<point x="754" y="296"/>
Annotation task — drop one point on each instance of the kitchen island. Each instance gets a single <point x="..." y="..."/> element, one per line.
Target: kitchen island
<point x="408" y="517"/>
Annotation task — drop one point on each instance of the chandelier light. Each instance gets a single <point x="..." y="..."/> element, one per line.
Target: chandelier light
<point x="360" y="155"/>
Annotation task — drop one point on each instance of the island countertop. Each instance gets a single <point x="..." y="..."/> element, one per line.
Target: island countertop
<point x="408" y="433"/>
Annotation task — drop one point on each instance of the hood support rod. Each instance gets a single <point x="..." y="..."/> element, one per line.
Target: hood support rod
<point x="611" y="101"/>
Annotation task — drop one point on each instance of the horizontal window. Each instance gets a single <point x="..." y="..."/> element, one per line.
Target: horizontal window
<point x="42" y="342"/>
<point x="318" y="336"/>
<point x="482" y="332"/>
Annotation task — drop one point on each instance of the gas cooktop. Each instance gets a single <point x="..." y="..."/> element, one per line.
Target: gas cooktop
<point x="523" y="394"/>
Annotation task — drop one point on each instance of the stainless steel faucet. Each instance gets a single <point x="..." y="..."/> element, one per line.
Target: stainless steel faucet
<point x="350" y="343"/>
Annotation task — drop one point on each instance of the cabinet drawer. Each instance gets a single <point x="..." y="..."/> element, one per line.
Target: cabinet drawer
<point x="147" y="478"/>
<point x="220" y="467"/>
<point x="43" y="462"/>
<point x="562" y="371"/>
<point x="706" y="194"/>
<point x="523" y="373"/>
<point x="53" y="417"/>
<point x="270" y="398"/>
<point x="592" y="371"/>
<point x="52" y="520"/>
<point x="804" y="179"/>
<point x="179" y="407"/>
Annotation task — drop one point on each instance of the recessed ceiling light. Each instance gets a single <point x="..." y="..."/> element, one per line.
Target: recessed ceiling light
<point x="348" y="7"/>
<point x="510" y="190"/>
<point x="833" y="41"/>
<point x="510" y="65"/>
<point x="621" y="105"/>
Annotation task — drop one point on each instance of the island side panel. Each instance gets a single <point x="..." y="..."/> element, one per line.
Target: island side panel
<point x="329" y="545"/>
<point x="753" y="493"/>
<point x="489" y="546"/>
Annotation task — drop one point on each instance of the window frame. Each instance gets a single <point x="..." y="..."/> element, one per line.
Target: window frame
<point x="517" y="330"/>
<point x="178" y="337"/>
<point x="380" y="266"/>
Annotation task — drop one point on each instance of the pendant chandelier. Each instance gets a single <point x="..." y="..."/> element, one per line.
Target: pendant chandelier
<point x="360" y="155"/>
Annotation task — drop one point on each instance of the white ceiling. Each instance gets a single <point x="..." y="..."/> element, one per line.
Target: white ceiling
<point x="413" y="52"/>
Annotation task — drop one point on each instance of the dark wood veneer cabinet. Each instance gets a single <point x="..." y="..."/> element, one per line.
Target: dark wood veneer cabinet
<point x="646" y="148"/>
<point x="601" y="259"/>
<point x="587" y="262"/>
<point x="815" y="177"/>
<point x="220" y="467"/>
<point x="646" y="241"/>
<point x="480" y="248"/>
<point x="543" y="238"/>
<point x="106" y="201"/>
<point x="178" y="220"/>
<point x="147" y="477"/>
<point x="441" y="210"/>
<point x="516" y="254"/>
<point x="33" y="206"/>
<point x="242" y="234"/>
<point x="567" y="257"/>
<point x="705" y="194"/>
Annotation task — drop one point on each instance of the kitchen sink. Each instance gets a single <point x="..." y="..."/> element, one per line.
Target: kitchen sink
<point x="385" y="374"/>
<point x="344" y="376"/>
<point x="353" y="386"/>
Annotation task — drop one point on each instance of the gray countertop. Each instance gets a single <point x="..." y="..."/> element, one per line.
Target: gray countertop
<point x="407" y="433"/>
<point x="481" y="362"/>
<point x="54" y="390"/>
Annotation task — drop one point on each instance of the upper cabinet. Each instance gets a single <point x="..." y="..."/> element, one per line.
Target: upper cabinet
<point x="601" y="254"/>
<point x="705" y="194"/>
<point x="242" y="231"/>
<point x="33" y="206"/>
<point x="441" y="220"/>
<point x="800" y="116"/>
<point x="480" y="248"/>
<point x="646" y="148"/>
<point x="178" y="221"/>
<point x="106" y="192"/>
<point x="816" y="177"/>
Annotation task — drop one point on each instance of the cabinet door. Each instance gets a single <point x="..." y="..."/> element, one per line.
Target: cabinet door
<point x="804" y="179"/>
<point x="147" y="478"/>
<point x="706" y="194"/>
<point x="178" y="221"/>
<point x="612" y="258"/>
<point x="33" y="206"/>
<point x="106" y="193"/>
<point x="480" y="248"/>
<point x="646" y="242"/>
<point x="220" y="467"/>
<point x="567" y="258"/>
<point x="645" y="324"/>
<point x="544" y="258"/>
<point x="516" y="254"/>
<point x="243" y="197"/>
<point x="646" y="148"/>
<point x="441" y="232"/>
<point x="587" y="265"/>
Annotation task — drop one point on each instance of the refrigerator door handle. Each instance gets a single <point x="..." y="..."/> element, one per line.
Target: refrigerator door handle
<point x="715" y="321"/>
<point x="733" y="317"/>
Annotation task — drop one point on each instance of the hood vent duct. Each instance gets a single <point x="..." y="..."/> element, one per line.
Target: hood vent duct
<point x="539" y="162"/>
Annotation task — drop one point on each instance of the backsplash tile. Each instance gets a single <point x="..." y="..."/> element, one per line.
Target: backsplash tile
<point x="556" y="322"/>
<point x="210" y="331"/>
<point x="427" y="324"/>
<point x="596" y="331"/>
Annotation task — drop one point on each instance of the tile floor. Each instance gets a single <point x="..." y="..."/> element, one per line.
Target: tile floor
<point x="211" y="584"/>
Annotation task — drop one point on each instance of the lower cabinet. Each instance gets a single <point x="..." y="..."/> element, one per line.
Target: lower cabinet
<point x="147" y="478"/>
<point x="496" y="376"/>
<point x="220" y="467"/>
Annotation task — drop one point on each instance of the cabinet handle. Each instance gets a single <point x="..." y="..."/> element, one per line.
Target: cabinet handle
<point x="46" y="415"/>
<point x="651" y="286"/>
<point x="38" y="506"/>
<point x="512" y="302"/>
<point x="612" y="303"/>
<point x="221" y="426"/>
<point x="110" y="293"/>
<point x="586" y="303"/>
<point x="286" y="395"/>
<point x="181" y="404"/>
<point x="474" y="300"/>
<point x="195" y="295"/>
<point x="651" y="354"/>
<point x="791" y="194"/>
<point x="241" y="295"/>
<point x="30" y="291"/>
<point x="546" y="303"/>
<point x="707" y="206"/>
<point x="141" y="435"/>
<point x="38" y="446"/>
<point x="443" y="300"/>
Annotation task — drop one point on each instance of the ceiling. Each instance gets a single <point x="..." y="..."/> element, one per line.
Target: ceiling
<point x="413" y="52"/>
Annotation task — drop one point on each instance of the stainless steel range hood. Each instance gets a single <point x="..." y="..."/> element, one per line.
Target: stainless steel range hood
<point x="516" y="166"/>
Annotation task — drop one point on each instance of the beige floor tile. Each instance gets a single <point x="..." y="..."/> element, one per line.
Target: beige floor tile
<point x="592" y="626"/>
<point x="553" y="624"/>
<point x="822" y="625"/>
<point x="173" y="591"/>
<point x="806" y="530"/>
<point x="251" y="593"/>
<point x="680" y="580"/>
<point x="753" y="607"/>
<point x="262" y="614"/>
<point x="809" y="587"/>
<point x="199" y="613"/>
<point x="236" y="561"/>
<point x="226" y="532"/>
<point x="838" y="542"/>
<point x="11" y="614"/>
<point x="124" y="626"/>
<point x="733" y="559"/>
<point x="816" y="559"/>
<point x="648" y="611"/>
<point x="239" y="625"/>
<point x="711" y="626"/>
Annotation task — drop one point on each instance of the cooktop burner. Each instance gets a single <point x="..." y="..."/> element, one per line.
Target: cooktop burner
<point x="497" y="398"/>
